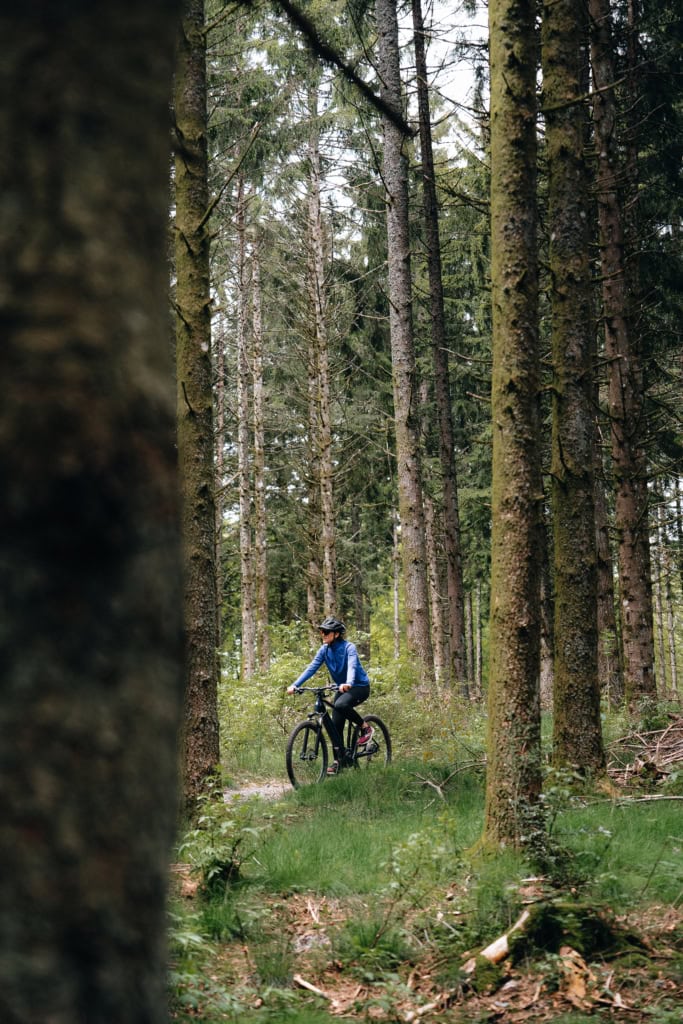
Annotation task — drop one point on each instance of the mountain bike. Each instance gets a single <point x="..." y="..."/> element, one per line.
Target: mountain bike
<point x="307" y="751"/>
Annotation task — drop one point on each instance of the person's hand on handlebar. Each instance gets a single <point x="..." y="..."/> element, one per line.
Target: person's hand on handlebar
<point x="292" y="689"/>
<point x="344" y="687"/>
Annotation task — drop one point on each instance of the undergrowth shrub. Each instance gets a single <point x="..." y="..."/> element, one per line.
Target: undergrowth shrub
<point x="423" y="862"/>
<point x="222" y="836"/>
<point x="369" y="945"/>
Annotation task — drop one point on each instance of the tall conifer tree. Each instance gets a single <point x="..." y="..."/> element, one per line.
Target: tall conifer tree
<point x="577" y="738"/>
<point x="409" y="469"/>
<point x="195" y="402"/>
<point x="451" y="524"/>
<point x="514" y="764"/>
<point x="625" y="389"/>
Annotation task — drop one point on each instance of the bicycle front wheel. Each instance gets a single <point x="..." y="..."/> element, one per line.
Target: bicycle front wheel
<point x="306" y="755"/>
<point x="378" y="750"/>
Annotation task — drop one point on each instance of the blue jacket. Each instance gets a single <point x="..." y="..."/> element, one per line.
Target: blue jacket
<point x="343" y="664"/>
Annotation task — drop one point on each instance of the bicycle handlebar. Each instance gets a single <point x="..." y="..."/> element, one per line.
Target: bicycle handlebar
<point x="316" y="689"/>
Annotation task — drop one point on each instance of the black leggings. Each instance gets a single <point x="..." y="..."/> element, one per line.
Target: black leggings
<point x="343" y="710"/>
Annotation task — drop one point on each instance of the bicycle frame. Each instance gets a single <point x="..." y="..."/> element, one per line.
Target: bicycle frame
<point x="307" y="745"/>
<point x="320" y="714"/>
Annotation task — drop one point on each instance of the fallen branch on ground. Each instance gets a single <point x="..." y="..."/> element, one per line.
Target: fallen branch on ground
<point x="302" y="983"/>
<point x="500" y="948"/>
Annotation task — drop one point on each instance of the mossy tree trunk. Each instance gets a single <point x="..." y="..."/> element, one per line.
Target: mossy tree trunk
<point x="514" y="764"/>
<point x="404" y="372"/>
<point x="609" y="662"/>
<point x="195" y="403"/>
<point x="91" y="600"/>
<point x="547" y="669"/>
<point x="577" y="735"/>
<point x="625" y="390"/>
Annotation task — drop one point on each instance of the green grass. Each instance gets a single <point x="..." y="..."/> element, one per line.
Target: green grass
<point x="340" y="835"/>
<point x="403" y="865"/>
<point x="629" y="853"/>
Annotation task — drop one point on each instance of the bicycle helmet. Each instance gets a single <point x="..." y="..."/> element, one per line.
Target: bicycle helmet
<point x="332" y="625"/>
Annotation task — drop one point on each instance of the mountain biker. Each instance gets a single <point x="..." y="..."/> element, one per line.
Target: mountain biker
<point x="343" y="664"/>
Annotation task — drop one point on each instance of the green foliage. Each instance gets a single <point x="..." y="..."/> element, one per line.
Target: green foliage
<point x="220" y="918"/>
<point x="653" y="715"/>
<point x="257" y="716"/>
<point x="423" y="861"/>
<point x="487" y="977"/>
<point x="673" y="786"/>
<point x="370" y="946"/>
<point x="192" y="989"/>
<point x="491" y="903"/>
<point x="223" y="835"/>
<point x="273" y="956"/>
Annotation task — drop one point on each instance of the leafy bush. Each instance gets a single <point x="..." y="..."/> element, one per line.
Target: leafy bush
<point x="224" y="834"/>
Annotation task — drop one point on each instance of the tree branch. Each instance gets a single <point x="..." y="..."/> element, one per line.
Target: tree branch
<point x="326" y="52"/>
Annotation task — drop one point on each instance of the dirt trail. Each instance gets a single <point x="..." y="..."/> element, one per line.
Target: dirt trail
<point x="270" y="790"/>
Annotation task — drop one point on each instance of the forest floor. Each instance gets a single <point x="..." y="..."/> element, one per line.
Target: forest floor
<point x="639" y="980"/>
<point x="646" y="986"/>
<point x="642" y="986"/>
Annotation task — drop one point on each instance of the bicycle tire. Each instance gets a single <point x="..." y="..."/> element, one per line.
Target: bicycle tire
<point x="306" y="755"/>
<point x="378" y="751"/>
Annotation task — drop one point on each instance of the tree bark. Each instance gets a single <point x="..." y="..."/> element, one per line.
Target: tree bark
<point x="436" y="591"/>
<point x="318" y="297"/>
<point x="658" y="592"/>
<point x="547" y="668"/>
<point x="219" y="364"/>
<point x="313" y="574"/>
<point x="451" y="513"/>
<point x="91" y="601"/>
<point x="479" y="653"/>
<point x="577" y="735"/>
<point x="396" y="587"/>
<point x="625" y="393"/>
<point x="514" y="764"/>
<point x="244" y="376"/>
<point x="260" y="512"/>
<point x="469" y="640"/>
<point x="671" y="626"/>
<point x="409" y="472"/>
<point x="609" y="663"/>
<point x="195" y="404"/>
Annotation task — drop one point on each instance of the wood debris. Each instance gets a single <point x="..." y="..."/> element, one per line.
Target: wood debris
<point x="649" y="756"/>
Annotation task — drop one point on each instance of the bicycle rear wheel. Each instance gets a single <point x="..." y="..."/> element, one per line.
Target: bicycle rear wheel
<point x="306" y="755"/>
<point x="378" y="750"/>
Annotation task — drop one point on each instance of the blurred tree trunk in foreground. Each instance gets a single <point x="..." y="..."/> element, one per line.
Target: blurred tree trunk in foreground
<point x="91" y="603"/>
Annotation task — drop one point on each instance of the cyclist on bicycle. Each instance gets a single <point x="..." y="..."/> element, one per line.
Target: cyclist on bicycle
<point x="343" y="664"/>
